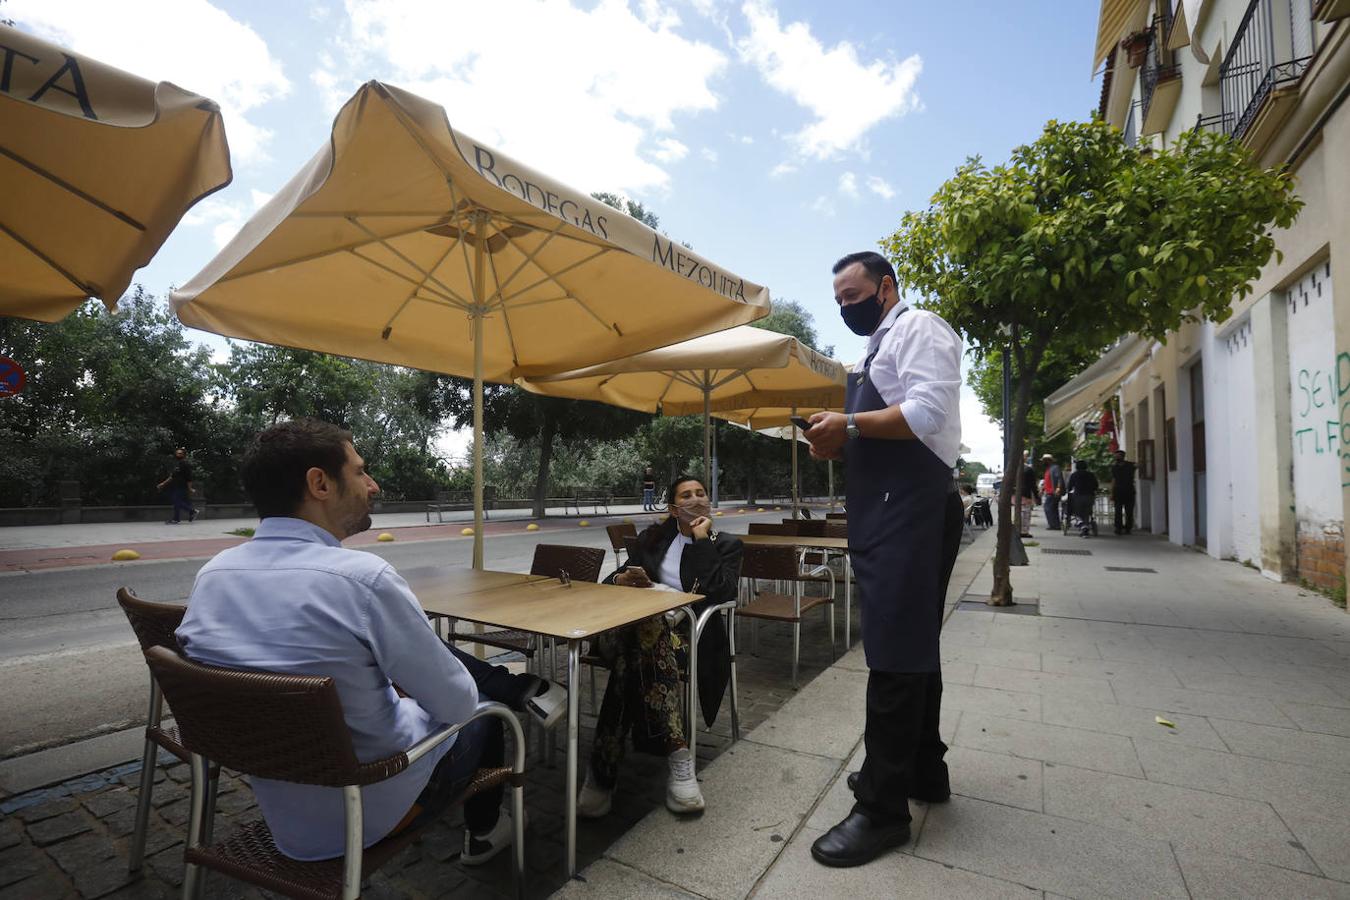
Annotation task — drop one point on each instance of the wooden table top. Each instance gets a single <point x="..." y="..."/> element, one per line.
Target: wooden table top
<point x="791" y="540"/>
<point x="536" y="603"/>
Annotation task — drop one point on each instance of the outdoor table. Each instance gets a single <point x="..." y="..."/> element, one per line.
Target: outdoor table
<point x="544" y="605"/>
<point x="803" y="542"/>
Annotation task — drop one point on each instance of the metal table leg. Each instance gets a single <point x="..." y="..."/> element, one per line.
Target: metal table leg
<point x="573" y="727"/>
<point x="691" y="723"/>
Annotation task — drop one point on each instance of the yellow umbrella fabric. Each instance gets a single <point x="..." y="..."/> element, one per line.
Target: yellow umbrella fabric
<point x="97" y="166"/>
<point x="405" y="241"/>
<point x="718" y="374"/>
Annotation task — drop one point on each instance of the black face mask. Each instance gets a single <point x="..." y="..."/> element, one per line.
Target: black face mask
<point x="863" y="316"/>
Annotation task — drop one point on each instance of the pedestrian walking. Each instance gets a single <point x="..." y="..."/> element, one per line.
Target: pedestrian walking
<point x="648" y="490"/>
<point x="1031" y="495"/>
<point x="1052" y="489"/>
<point x="1122" y="492"/>
<point x="898" y="440"/>
<point x="179" y="485"/>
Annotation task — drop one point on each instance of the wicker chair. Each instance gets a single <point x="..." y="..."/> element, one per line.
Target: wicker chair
<point x="812" y="563"/>
<point x="291" y="728"/>
<point x="779" y="564"/>
<point x="618" y="537"/>
<point x="155" y="624"/>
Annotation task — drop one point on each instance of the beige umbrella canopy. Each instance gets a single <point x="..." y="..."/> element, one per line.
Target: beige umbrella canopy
<point x="717" y="374"/>
<point x="404" y="241"/>
<point x="97" y="166"/>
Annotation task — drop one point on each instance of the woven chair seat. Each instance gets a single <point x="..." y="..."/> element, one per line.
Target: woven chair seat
<point x="779" y="607"/>
<point x="251" y="855"/>
<point x="506" y="639"/>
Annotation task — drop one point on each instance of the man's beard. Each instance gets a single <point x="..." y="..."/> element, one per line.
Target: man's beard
<point x="360" y="525"/>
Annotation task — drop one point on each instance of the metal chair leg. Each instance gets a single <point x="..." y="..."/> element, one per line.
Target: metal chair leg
<point x="796" y="649"/>
<point x="735" y="709"/>
<point x="834" y="654"/>
<point x="149" y="761"/>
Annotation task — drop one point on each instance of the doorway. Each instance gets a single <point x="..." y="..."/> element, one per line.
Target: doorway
<point x="1198" y="454"/>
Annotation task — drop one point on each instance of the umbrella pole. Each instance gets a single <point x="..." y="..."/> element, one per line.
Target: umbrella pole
<point x="829" y="466"/>
<point x="707" y="430"/>
<point x="480" y="220"/>
<point x="795" y="513"/>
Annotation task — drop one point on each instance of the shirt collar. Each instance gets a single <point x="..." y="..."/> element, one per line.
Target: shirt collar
<point x="294" y="529"/>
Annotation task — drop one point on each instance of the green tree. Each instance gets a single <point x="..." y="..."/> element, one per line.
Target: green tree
<point x="1079" y="240"/>
<point x="790" y="317"/>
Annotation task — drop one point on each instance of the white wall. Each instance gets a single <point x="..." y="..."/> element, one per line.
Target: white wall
<point x="1314" y="406"/>
<point x="1239" y="442"/>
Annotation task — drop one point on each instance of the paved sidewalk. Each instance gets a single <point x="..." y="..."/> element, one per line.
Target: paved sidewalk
<point x="1066" y="784"/>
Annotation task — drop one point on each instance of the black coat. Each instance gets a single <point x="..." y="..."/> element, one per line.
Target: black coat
<point x="715" y="563"/>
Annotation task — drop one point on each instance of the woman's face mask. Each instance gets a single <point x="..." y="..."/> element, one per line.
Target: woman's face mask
<point x="689" y="508"/>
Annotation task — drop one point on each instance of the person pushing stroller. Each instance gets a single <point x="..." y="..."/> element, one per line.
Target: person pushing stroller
<point x="1082" y="496"/>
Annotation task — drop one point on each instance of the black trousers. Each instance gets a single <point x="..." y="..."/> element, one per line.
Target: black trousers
<point x="904" y="710"/>
<point x="1125" y="513"/>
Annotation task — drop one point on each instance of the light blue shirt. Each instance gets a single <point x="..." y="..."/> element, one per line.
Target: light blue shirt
<point x="294" y="600"/>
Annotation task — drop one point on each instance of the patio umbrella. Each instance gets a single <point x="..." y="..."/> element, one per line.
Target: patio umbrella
<point x="737" y="369"/>
<point x="96" y="168"/>
<point x="777" y="423"/>
<point x="405" y="241"/>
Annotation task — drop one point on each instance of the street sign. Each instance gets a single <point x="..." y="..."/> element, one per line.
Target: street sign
<point x="12" y="377"/>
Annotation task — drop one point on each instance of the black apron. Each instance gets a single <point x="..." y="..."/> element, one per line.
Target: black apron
<point x="896" y="500"/>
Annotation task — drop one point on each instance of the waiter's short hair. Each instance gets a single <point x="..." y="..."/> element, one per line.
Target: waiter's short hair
<point x="876" y="265"/>
<point x="275" y="463"/>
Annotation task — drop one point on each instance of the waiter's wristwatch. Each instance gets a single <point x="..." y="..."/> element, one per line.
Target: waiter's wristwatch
<point x="852" y="428"/>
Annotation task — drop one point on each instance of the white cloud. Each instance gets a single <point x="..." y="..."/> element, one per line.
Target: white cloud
<point x="708" y="154"/>
<point x="783" y="168"/>
<point x="823" y="206"/>
<point x="192" y="43"/>
<point x="743" y="138"/>
<point x="846" y="95"/>
<point x="848" y="184"/>
<point x="225" y="217"/>
<point x="880" y="186"/>
<point x="586" y="112"/>
<point x="669" y="150"/>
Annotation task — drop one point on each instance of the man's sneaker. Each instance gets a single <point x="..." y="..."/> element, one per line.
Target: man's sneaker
<point x="549" y="704"/>
<point x="478" y="849"/>
<point x="172" y="522"/>
<point x="594" y="801"/>
<point x="682" y="791"/>
<point x="192" y="514"/>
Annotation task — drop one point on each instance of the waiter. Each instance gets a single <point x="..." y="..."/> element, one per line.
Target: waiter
<point x="899" y="441"/>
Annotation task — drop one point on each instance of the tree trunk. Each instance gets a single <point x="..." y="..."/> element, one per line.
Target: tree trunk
<point x="545" y="460"/>
<point x="1010" y="493"/>
<point x="750" y="472"/>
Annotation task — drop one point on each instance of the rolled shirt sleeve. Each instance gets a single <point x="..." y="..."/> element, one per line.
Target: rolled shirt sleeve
<point x="918" y="368"/>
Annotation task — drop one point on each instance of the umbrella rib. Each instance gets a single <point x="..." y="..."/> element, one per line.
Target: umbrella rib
<point x="506" y="319"/>
<point x="385" y="244"/>
<point x="732" y="377"/>
<point x="529" y="258"/>
<point x="389" y="324"/>
<point x="332" y="251"/>
<point x="89" y="290"/>
<point x="553" y="277"/>
<point x="70" y="188"/>
<point x="449" y="298"/>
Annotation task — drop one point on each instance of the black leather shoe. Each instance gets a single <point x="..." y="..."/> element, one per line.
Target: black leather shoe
<point x="928" y="794"/>
<point x="856" y="841"/>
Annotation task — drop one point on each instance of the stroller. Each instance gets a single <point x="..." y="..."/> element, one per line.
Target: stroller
<point x="1082" y="510"/>
<point x="980" y="514"/>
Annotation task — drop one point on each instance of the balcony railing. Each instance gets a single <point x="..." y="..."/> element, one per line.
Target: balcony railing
<point x="1250" y="71"/>
<point x="1221" y="123"/>
<point x="1153" y="71"/>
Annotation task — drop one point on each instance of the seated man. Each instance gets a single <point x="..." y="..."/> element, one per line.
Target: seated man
<point x="294" y="600"/>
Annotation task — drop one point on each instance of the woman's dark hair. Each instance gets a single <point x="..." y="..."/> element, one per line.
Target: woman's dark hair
<point x="679" y="480"/>
<point x="276" y="462"/>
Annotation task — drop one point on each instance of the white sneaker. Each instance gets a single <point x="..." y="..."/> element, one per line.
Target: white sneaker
<point x="478" y="849"/>
<point x="594" y="801"/>
<point x="682" y="791"/>
<point x="550" y="707"/>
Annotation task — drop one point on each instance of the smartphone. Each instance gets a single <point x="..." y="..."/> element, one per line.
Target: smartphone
<point x="800" y="422"/>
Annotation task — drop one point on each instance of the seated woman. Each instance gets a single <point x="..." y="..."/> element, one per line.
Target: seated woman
<point x="643" y="695"/>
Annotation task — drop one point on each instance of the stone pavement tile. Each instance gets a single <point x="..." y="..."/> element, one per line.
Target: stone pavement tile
<point x="1328" y="675"/>
<point x="1301" y="690"/>
<point x="1049" y="743"/>
<point x="996" y="777"/>
<point x="66" y="825"/>
<point x="837" y="802"/>
<point x="1107" y="668"/>
<point x="82" y="852"/>
<point x="958" y="672"/>
<point x="1325" y="751"/>
<point x="898" y="875"/>
<point x="19" y="863"/>
<point x="825" y="718"/>
<point x="757" y="796"/>
<point x="1067" y="647"/>
<point x="1129" y="721"/>
<point x="11" y="833"/>
<point x="1200" y="703"/>
<point x="854" y="660"/>
<point x="991" y="701"/>
<point x="1071" y="858"/>
<point x="1200" y="820"/>
<point x="49" y="809"/>
<point x="39" y="887"/>
<point x="1087" y="690"/>
<point x="994" y="656"/>
<point x="1324" y="833"/>
<point x="1323" y="719"/>
<point x="607" y="879"/>
<point x="1211" y="877"/>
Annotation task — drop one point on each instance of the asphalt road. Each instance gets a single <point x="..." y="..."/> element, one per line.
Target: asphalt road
<point x="69" y="664"/>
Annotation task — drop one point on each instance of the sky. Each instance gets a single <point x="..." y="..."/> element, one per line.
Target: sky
<point x="774" y="136"/>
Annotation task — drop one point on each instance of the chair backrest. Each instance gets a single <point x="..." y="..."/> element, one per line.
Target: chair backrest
<point x="810" y="528"/>
<point x="769" y="562"/>
<point x="266" y="724"/>
<point x="840" y="516"/>
<point x="580" y="563"/>
<point x="773" y="528"/>
<point x="617" y="533"/>
<point x="836" y="530"/>
<point x="154" y="623"/>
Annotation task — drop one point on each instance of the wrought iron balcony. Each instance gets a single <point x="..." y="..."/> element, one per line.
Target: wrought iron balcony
<point x="1153" y="72"/>
<point x="1219" y="122"/>
<point x="1250" y="72"/>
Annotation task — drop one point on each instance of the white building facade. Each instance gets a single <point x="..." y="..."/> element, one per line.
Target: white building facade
<point x="1247" y="422"/>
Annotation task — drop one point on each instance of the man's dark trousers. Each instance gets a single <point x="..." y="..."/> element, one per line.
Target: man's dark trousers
<point x="1050" y="504"/>
<point x="1125" y="512"/>
<point x="904" y="747"/>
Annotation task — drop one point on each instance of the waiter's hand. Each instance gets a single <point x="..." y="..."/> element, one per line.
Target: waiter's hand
<point x="827" y="435"/>
<point x="700" y="527"/>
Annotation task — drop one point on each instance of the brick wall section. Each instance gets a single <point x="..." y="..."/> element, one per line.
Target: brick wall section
<point x="1321" y="559"/>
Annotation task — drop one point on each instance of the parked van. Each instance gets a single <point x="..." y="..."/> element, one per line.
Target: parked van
<point x="984" y="484"/>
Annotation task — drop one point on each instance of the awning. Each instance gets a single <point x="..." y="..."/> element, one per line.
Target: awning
<point x="1090" y="388"/>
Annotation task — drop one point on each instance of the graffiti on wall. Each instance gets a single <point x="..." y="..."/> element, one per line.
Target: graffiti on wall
<point x="1319" y="397"/>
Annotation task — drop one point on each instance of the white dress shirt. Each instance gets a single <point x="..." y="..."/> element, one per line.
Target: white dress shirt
<point x="294" y="600"/>
<point x="917" y="366"/>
